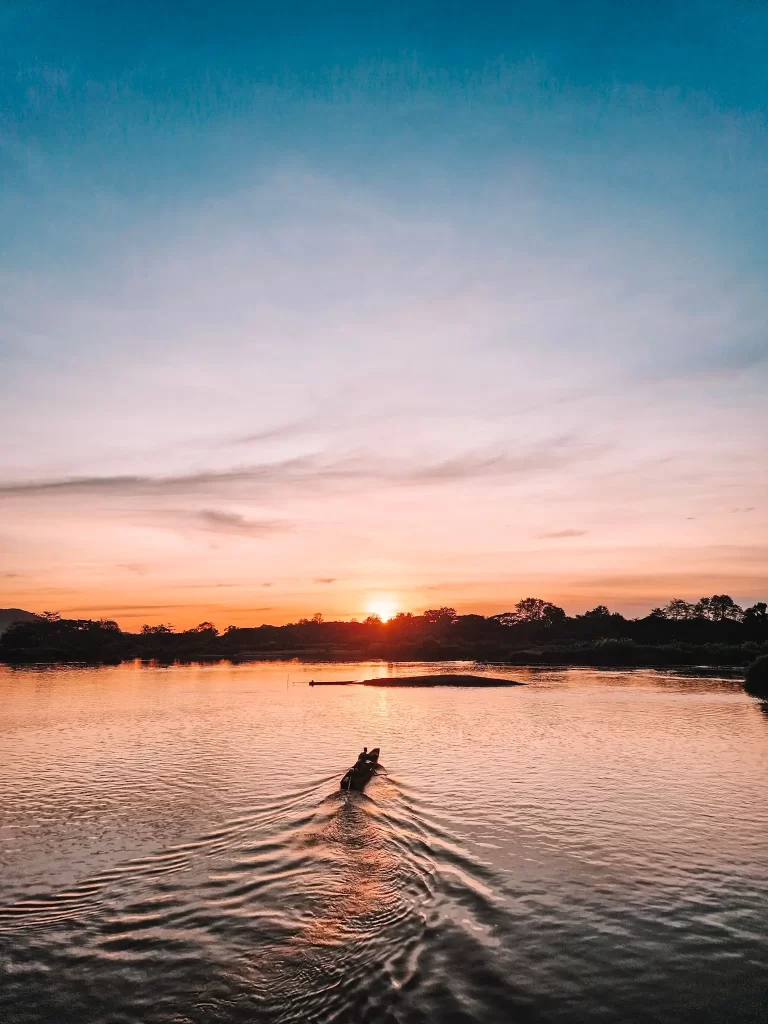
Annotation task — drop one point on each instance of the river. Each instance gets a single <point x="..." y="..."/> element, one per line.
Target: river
<point x="174" y="848"/>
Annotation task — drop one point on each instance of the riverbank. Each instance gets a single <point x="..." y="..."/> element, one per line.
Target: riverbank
<point x="603" y="640"/>
<point x="603" y="655"/>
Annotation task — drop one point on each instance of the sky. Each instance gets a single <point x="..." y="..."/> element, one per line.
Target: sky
<point x="350" y="307"/>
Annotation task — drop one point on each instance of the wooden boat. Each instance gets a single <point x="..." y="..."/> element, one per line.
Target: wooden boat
<point x="361" y="772"/>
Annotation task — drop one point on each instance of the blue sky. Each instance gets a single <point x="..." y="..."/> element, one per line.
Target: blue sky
<point x="442" y="302"/>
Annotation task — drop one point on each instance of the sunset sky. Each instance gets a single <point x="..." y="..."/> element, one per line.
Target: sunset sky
<point x="347" y="306"/>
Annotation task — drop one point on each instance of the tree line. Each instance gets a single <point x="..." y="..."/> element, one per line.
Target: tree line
<point x="713" y="630"/>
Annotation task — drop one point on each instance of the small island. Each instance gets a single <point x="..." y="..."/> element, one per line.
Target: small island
<point x="431" y="679"/>
<point x="441" y="679"/>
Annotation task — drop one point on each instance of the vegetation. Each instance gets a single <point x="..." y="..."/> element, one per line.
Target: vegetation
<point x="757" y="677"/>
<point x="713" y="631"/>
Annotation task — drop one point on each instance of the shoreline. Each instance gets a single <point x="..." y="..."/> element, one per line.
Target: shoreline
<point x="735" y="668"/>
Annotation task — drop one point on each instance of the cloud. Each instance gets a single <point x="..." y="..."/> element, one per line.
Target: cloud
<point x="233" y="522"/>
<point x="314" y="470"/>
<point x="208" y="586"/>
<point x="324" y="579"/>
<point x="557" y="534"/>
<point x="126" y="608"/>
<point x="298" y="426"/>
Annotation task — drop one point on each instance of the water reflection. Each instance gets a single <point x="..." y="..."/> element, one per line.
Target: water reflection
<point x="589" y="846"/>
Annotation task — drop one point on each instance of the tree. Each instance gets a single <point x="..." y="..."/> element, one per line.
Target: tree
<point x="505" y="618"/>
<point x="51" y="616"/>
<point x="530" y="609"/>
<point x="719" y="608"/>
<point x="440" y="616"/>
<point x="553" y="615"/>
<point x="756" y="614"/>
<point x="151" y="630"/>
<point x="109" y="624"/>
<point x="600" y="612"/>
<point x="439" y="622"/>
<point x="316" y="620"/>
<point x="204" y="627"/>
<point x="679" y="610"/>
<point x="472" y="627"/>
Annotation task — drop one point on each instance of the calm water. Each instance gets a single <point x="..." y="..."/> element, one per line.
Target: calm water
<point x="174" y="848"/>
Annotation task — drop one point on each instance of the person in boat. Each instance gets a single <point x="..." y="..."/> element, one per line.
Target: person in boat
<point x="362" y="757"/>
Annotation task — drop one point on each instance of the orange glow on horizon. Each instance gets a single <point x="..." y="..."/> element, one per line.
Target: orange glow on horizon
<point x="384" y="607"/>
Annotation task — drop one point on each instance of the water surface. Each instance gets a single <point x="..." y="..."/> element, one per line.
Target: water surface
<point x="174" y="848"/>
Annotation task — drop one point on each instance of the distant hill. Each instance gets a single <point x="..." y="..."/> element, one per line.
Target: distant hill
<point x="9" y="615"/>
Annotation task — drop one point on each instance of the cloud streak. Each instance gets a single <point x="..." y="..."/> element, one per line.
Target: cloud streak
<point x="233" y="523"/>
<point x="314" y="470"/>
<point x="561" y="534"/>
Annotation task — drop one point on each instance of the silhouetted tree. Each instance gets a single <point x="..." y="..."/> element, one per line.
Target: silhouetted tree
<point x="756" y="614"/>
<point x="505" y="618"/>
<point x="679" y="610"/>
<point x="553" y="616"/>
<point x="599" y="612"/>
<point x="440" y="616"/>
<point x="535" y="631"/>
<point x="207" y="628"/>
<point x="316" y="620"/>
<point x="530" y="609"/>
<point x="719" y="608"/>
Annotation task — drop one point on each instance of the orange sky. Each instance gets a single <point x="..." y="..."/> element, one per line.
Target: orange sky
<point x="347" y="548"/>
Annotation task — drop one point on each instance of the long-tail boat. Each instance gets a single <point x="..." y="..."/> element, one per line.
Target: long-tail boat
<point x="362" y="771"/>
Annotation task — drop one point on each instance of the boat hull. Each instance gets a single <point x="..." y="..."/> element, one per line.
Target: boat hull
<point x="360" y="774"/>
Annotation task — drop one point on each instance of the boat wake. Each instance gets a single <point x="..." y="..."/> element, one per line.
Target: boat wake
<point x="317" y="907"/>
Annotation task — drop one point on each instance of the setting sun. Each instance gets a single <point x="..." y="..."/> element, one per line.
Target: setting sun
<point x="384" y="607"/>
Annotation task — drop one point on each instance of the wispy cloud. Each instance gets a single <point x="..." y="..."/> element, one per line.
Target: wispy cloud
<point x="315" y="470"/>
<point x="324" y="579"/>
<point x="292" y="429"/>
<point x="125" y="608"/>
<point x="561" y="534"/>
<point x="232" y="522"/>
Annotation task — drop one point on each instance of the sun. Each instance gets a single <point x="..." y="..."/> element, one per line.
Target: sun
<point x="385" y="607"/>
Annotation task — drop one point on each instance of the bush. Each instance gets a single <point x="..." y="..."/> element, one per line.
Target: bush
<point x="756" y="680"/>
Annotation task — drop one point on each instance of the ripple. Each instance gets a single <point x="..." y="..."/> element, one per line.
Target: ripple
<point x="596" y="852"/>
